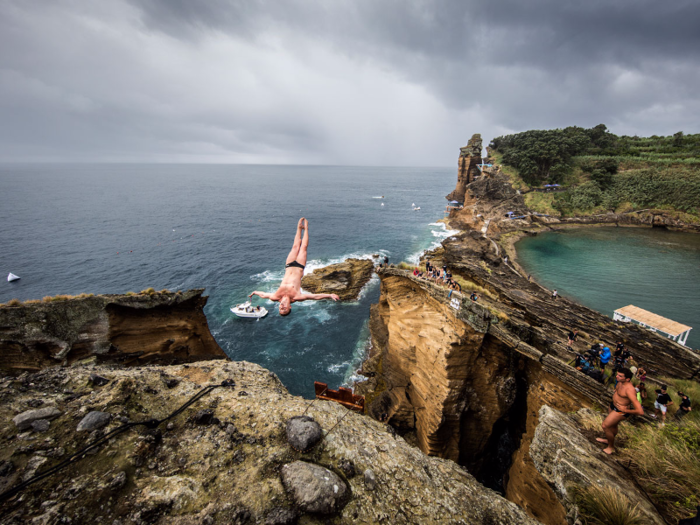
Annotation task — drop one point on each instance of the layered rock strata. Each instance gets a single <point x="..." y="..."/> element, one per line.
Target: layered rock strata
<point x="467" y="170"/>
<point x="346" y="279"/>
<point x="159" y="328"/>
<point x="225" y="459"/>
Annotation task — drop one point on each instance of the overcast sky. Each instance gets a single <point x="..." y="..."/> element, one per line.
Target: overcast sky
<point x="359" y="82"/>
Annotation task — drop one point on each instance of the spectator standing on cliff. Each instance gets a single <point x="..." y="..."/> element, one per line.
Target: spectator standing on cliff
<point x="573" y="335"/>
<point x="624" y="404"/>
<point x="290" y="290"/>
<point x="663" y="400"/>
<point x="386" y="261"/>
<point x="684" y="408"/>
<point x="555" y="295"/>
<point x="605" y="357"/>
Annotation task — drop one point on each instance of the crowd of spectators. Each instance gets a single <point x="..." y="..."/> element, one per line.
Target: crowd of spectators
<point x="440" y="276"/>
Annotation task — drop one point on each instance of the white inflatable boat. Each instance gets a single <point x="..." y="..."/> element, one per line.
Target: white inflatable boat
<point x="247" y="310"/>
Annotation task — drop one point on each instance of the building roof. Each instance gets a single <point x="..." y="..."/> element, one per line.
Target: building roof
<point x="652" y="320"/>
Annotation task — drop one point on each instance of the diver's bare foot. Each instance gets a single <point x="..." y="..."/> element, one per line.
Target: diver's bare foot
<point x="602" y="440"/>
<point x="608" y="450"/>
<point x="300" y="225"/>
<point x="306" y="224"/>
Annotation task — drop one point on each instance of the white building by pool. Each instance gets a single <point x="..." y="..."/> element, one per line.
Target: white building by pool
<point x="671" y="329"/>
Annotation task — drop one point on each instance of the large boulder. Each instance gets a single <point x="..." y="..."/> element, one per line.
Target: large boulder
<point x="345" y="279"/>
<point x="314" y="488"/>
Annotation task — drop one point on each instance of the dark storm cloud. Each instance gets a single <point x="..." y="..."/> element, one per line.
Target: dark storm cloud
<point x="363" y="82"/>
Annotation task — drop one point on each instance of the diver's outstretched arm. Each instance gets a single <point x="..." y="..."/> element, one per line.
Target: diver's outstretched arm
<point x="264" y="295"/>
<point x="318" y="296"/>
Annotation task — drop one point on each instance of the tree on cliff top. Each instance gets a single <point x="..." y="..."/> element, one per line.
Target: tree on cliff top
<point x="545" y="155"/>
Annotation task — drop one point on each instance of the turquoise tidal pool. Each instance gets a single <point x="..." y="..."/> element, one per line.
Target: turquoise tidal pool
<point x="608" y="268"/>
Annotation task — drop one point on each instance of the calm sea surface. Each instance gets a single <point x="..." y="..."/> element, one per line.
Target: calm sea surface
<point x="608" y="268"/>
<point x="69" y="229"/>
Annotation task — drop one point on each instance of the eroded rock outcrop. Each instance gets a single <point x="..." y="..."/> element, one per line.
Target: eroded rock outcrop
<point x="236" y="467"/>
<point x="346" y="279"/>
<point x="467" y="170"/>
<point x="129" y="329"/>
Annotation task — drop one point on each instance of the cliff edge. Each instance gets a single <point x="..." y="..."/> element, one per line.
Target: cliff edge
<point x="133" y="329"/>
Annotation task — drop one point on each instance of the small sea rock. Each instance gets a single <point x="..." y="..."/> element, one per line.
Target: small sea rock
<point x="98" y="380"/>
<point x="314" y="488"/>
<point x="93" y="421"/>
<point x="40" y="425"/>
<point x="303" y="433"/>
<point x="370" y="480"/>
<point x="24" y="420"/>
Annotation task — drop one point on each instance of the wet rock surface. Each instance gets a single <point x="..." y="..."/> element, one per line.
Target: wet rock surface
<point x="345" y="279"/>
<point x="229" y="472"/>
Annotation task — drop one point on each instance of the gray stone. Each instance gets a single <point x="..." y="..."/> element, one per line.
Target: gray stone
<point x="118" y="481"/>
<point x="314" y="488"/>
<point x="94" y="421"/>
<point x="281" y="516"/>
<point x="348" y="468"/>
<point x="32" y="466"/>
<point x="303" y="433"/>
<point x="204" y="417"/>
<point x="24" y="420"/>
<point x="40" y="425"/>
<point x="370" y="479"/>
<point x="6" y="468"/>
<point x="98" y="380"/>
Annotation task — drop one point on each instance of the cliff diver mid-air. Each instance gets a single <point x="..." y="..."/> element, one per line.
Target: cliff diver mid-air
<point x="290" y="290"/>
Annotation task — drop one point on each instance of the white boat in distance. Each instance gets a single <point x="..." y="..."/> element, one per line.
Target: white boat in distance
<point x="249" y="311"/>
<point x="13" y="277"/>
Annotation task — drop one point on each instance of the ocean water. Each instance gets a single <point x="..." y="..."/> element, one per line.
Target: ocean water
<point x="608" y="268"/>
<point x="113" y="228"/>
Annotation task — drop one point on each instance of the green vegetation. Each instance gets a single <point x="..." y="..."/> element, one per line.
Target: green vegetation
<point x="606" y="506"/>
<point x="602" y="172"/>
<point x="403" y="265"/>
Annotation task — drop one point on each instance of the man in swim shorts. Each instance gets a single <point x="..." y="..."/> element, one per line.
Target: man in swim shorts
<point x="290" y="290"/>
<point x="624" y="404"/>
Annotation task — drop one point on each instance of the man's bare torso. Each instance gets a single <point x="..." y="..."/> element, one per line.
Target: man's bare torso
<point x="290" y="286"/>
<point x="622" y="397"/>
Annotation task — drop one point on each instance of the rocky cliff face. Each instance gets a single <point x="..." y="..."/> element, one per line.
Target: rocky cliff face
<point x="467" y="171"/>
<point x="130" y="329"/>
<point x="345" y="279"/>
<point x="225" y="459"/>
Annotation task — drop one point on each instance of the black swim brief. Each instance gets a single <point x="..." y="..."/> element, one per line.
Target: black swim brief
<point x="613" y="407"/>
<point x="294" y="264"/>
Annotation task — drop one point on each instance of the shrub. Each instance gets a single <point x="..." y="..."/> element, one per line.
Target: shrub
<point x="148" y="291"/>
<point x="14" y="302"/>
<point x="606" y="506"/>
<point x="130" y="293"/>
<point x="405" y="266"/>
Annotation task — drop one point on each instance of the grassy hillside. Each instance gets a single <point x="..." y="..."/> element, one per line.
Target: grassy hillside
<point x="603" y="172"/>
